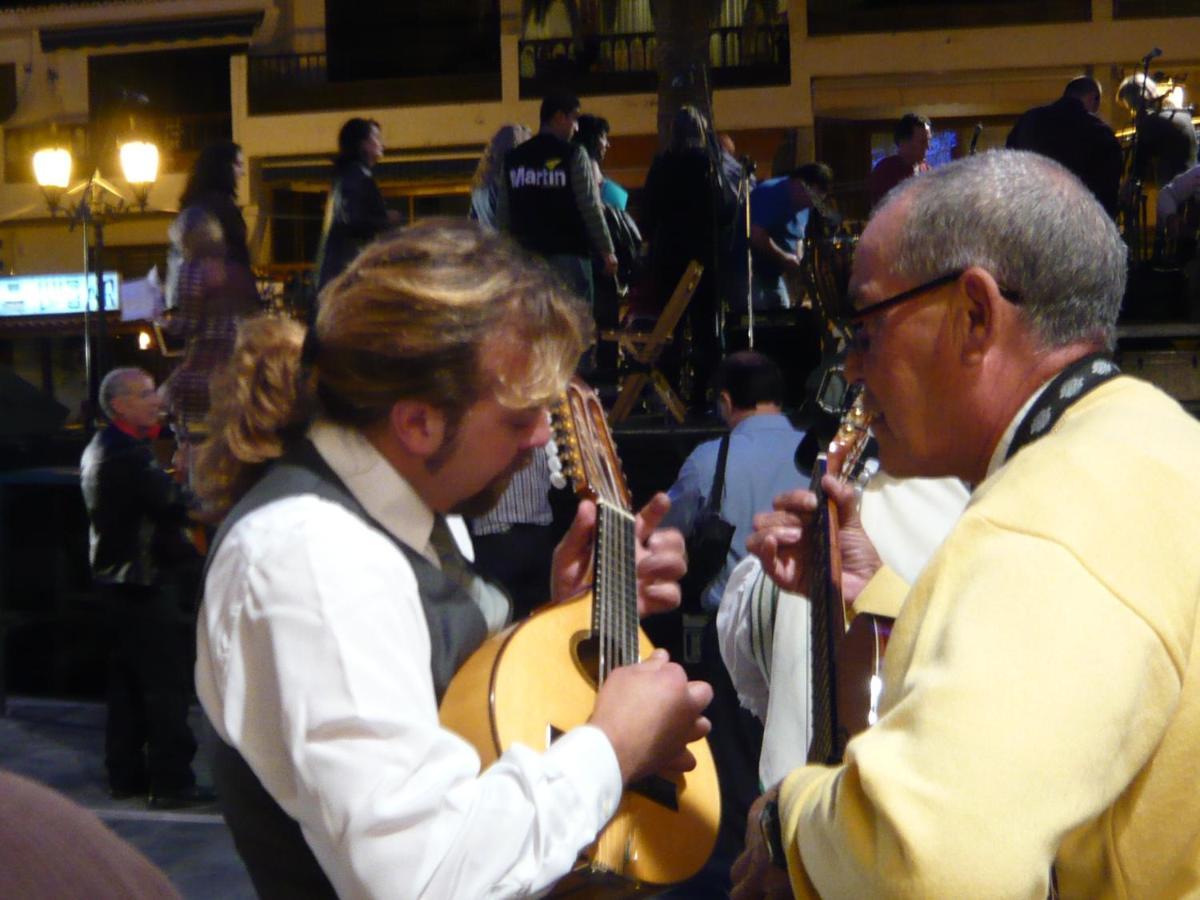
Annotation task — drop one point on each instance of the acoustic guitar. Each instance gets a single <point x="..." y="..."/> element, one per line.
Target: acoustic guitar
<point x="539" y="678"/>
<point x="847" y="655"/>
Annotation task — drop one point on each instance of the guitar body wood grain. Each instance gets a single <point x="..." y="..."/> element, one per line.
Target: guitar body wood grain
<point x="527" y="685"/>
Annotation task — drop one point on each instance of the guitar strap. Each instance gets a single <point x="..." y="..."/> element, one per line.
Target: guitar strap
<point x="717" y="492"/>
<point x="1075" y="381"/>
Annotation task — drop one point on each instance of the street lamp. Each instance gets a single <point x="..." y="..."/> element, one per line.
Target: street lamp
<point x="52" y="169"/>
<point x="95" y="200"/>
<point x="139" y="162"/>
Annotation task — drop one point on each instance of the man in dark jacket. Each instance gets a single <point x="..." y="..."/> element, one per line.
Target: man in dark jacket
<point x="137" y="514"/>
<point x="1069" y="131"/>
<point x="551" y="202"/>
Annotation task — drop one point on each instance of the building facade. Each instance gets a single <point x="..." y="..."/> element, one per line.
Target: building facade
<point x="791" y="80"/>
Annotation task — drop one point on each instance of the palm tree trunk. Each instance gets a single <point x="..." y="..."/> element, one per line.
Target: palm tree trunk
<point x="681" y="33"/>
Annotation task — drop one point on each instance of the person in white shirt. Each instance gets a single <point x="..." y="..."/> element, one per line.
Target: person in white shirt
<point x="336" y="610"/>
<point x="764" y="632"/>
<point x="1175" y="193"/>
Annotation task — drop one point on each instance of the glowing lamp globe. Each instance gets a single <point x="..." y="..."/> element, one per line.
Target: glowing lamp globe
<point x="52" y="167"/>
<point x="139" y="162"/>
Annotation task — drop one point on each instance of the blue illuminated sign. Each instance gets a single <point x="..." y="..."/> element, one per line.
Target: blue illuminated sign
<point x="50" y="295"/>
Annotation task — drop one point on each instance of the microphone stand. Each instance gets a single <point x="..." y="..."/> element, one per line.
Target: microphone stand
<point x="743" y="194"/>
<point x="1136" y="199"/>
<point x="89" y="213"/>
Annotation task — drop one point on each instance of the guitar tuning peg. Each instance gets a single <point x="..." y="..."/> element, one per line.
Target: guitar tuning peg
<point x="554" y="464"/>
<point x="552" y="449"/>
<point x="558" y="480"/>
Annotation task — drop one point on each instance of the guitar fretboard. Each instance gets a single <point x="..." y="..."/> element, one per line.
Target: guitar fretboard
<point x="614" y="607"/>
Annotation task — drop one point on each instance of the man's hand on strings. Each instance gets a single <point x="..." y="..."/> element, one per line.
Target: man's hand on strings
<point x="660" y="557"/>
<point x="650" y="712"/>
<point x="782" y="538"/>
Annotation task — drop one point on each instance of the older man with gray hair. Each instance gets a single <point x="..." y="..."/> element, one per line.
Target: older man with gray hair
<point x="1041" y="697"/>
<point x="137" y="513"/>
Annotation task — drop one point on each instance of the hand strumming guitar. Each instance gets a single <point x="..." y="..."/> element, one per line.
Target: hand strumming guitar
<point x="782" y="538"/>
<point x="650" y="712"/>
<point x="661" y="558"/>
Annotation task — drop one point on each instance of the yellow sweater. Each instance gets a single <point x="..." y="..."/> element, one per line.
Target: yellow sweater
<point x="1042" y="685"/>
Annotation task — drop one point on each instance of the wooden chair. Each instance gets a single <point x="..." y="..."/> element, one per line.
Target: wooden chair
<point x="643" y="348"/>
<point x="167" y="346"/>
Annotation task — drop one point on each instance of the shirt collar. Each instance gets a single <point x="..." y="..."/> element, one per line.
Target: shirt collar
<point x="761" y="422"/>
<point x="374" y="482"/>
<point x="1001" y="451"/>
<point x="151" y="433"/>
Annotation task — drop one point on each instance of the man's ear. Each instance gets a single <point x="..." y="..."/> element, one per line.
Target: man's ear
<point x="980" y="313"/>
<point x="724" y="404"/>
<point x="418" y="427"/>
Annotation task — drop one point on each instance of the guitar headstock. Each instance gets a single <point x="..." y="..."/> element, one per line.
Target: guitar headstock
<point x="853" y="432"/>
<point x="586" y="453"/>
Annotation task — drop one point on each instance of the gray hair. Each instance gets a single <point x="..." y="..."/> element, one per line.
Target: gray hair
<point x="1030" y="223"/>
<point x="115" y="384"/>
<point x="491" y="165"/>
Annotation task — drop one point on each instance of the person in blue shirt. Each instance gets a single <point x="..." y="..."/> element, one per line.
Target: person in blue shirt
<point x="760" y="463"/>
<point x="779" y="209"/>
<point x="759" y="466"/>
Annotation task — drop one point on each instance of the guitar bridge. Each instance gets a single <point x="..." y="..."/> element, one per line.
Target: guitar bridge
<point x="655" y="788"/>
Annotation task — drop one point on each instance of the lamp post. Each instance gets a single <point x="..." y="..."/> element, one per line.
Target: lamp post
<point x="95" y="200"/>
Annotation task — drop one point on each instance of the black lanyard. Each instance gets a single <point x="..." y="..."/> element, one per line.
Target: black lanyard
<point x="1068" y="386"/>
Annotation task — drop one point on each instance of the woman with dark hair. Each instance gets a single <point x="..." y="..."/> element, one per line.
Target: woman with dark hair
<point x="212" y="185"/>
<point x="593" y="137"/>
<point x="683" y="213"/>
<point x="210" y="285"/>
<point x="355" y="214"/>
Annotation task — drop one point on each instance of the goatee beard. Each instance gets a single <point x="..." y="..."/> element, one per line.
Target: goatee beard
<point x="485" y="501"/>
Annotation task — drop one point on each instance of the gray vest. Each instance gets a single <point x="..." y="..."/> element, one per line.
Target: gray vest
<point x="270" y="842"/>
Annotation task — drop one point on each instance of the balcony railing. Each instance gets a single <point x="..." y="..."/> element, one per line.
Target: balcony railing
<point x="856" y="16"/>
<point x="1147" y="9"/>
<point x="299" y="82"/>
<point x="626" y="63"/>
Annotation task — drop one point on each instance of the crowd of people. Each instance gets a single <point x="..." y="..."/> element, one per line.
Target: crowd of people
<point x="381" y="496"/>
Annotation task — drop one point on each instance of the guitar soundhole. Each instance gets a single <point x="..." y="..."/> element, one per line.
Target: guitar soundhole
<point x="662" y="791"/>
<point x="585" y="649"/>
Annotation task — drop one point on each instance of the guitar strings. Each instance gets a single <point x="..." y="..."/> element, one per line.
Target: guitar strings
<point x="615" y="609"/>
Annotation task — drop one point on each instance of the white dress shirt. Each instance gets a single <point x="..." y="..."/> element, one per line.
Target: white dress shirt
<point x="1178" y="191"/>
<point x="314" y="663"/>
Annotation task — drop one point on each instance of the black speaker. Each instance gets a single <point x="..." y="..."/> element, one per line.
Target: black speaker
<point x="1155" y="295"/>
<point x="26" y="410"/>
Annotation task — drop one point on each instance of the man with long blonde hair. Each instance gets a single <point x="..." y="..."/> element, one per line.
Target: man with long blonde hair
<point x="337" y="609"/>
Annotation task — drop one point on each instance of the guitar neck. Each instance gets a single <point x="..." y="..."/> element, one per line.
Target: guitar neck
<point x="614" y="594"/>
<point x="827" y="622"/>
<point x="826" y="603"/>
